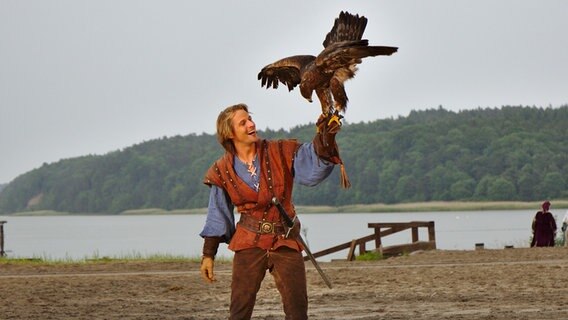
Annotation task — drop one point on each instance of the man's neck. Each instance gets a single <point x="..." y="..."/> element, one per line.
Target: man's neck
<point x="246" y="152"/>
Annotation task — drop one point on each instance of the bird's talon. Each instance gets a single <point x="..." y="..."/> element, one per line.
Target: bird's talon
<point x="334" y="118"/>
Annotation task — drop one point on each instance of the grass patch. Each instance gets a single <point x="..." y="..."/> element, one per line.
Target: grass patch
<point x="136" y="256"/>
<point x="96" y="258"/>
<point x="6" y="260"/>
<point x="369" y="256"/>
<point x="100" y="259"/>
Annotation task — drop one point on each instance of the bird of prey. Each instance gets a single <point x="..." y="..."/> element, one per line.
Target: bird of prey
<point x="325" y="74"/>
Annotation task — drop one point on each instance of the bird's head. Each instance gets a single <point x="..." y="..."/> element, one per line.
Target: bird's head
<point x="306" y="92"/>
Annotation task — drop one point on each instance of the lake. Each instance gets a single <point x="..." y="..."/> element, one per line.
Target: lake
<point x="78" y="237"/>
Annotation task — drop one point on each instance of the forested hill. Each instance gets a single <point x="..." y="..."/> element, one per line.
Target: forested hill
<point x="508" y="153"/>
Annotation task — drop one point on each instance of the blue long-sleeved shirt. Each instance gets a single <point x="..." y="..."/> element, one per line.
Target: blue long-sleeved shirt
<point x="309" y="170"/>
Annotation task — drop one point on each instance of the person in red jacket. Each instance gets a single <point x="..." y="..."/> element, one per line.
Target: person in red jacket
<point x="543" y="227"/>
<point x="250" y="173"/>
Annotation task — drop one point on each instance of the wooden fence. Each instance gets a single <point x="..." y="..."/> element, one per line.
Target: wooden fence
<point x="382" y="230"/>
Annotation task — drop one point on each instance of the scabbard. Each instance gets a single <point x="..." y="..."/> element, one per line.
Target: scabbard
<point x="290" y="224"/>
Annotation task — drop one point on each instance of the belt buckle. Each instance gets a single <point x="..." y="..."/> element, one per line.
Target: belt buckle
<point x="266" y="227"/>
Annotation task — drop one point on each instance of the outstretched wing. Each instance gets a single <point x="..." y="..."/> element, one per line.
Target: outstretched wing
<point x="288" y="71"/>
<point x="349" y="53"/>
<point x="347" y="27"/>
<point x="341" y="60"/>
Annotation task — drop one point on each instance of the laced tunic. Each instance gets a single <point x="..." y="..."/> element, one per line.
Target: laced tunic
<point x="234" y="184"/>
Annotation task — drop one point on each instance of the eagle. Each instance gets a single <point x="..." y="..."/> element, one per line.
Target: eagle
<point x="325" y="74"/>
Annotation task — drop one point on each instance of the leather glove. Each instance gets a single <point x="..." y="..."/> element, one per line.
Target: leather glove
<point x="325" y="145"/>
<point x="207" y="265"/>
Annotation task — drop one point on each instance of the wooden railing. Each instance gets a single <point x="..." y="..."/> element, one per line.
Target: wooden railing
<point x="382" y="230"/>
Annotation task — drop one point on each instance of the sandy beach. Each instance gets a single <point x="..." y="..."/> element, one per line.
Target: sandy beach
<point x="519" y="283"/>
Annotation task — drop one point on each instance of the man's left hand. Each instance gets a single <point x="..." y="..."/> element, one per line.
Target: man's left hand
<point x="207" y="264"/>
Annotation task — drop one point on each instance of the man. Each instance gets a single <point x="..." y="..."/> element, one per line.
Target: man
<point x="250" y="173"/>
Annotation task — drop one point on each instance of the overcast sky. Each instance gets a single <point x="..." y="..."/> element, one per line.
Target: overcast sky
<point x="84" y="77"/>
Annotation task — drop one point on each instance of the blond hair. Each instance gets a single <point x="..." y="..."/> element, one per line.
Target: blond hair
<point x="225" y="126"/>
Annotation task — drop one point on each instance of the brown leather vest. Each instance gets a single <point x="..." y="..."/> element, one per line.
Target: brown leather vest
<point x="276" y="180"/>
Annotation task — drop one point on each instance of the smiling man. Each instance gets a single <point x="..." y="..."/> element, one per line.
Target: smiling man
<point x="250" y="173"/>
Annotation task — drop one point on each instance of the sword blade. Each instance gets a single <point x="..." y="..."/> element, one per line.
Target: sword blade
<point x="314" y="262"/>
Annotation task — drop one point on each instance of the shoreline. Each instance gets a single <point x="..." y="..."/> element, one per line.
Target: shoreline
<point x="355" y="208"/>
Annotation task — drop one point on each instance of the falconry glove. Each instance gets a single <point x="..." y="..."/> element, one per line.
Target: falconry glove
<point x="327" y="126"/>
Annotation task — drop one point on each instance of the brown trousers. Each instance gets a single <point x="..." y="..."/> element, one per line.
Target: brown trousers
<point x="286" y="266"/>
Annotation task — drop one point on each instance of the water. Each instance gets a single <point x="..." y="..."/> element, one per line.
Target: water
<point x="78" y="237"/>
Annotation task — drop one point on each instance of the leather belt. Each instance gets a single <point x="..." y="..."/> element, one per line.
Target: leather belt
<point x="260" y="226"/>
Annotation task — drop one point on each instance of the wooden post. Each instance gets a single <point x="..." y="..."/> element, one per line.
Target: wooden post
<point x="431" y="232"/>
<point x="362" y="249"/>
<point x="2" y="252"/>
<point x="378" y="242"/>
<point x="414" y="234"/>
<point x="351" y="254"/>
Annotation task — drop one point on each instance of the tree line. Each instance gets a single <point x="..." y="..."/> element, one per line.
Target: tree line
<point x="508" y="153"/>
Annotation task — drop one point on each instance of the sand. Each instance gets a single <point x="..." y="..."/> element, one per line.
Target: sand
<point x="519" y="283"/>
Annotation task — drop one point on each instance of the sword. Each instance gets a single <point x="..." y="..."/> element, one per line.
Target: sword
<point x="290" y="224"/>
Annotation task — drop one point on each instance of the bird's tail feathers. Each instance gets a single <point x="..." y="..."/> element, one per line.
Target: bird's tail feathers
<point x="381" y="50"/>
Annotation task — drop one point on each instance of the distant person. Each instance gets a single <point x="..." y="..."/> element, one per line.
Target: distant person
<point x="565" y="228"/>
<point x="543" y="227"/>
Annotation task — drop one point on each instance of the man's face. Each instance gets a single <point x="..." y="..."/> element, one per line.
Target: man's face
<point x="244" y="129"/>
